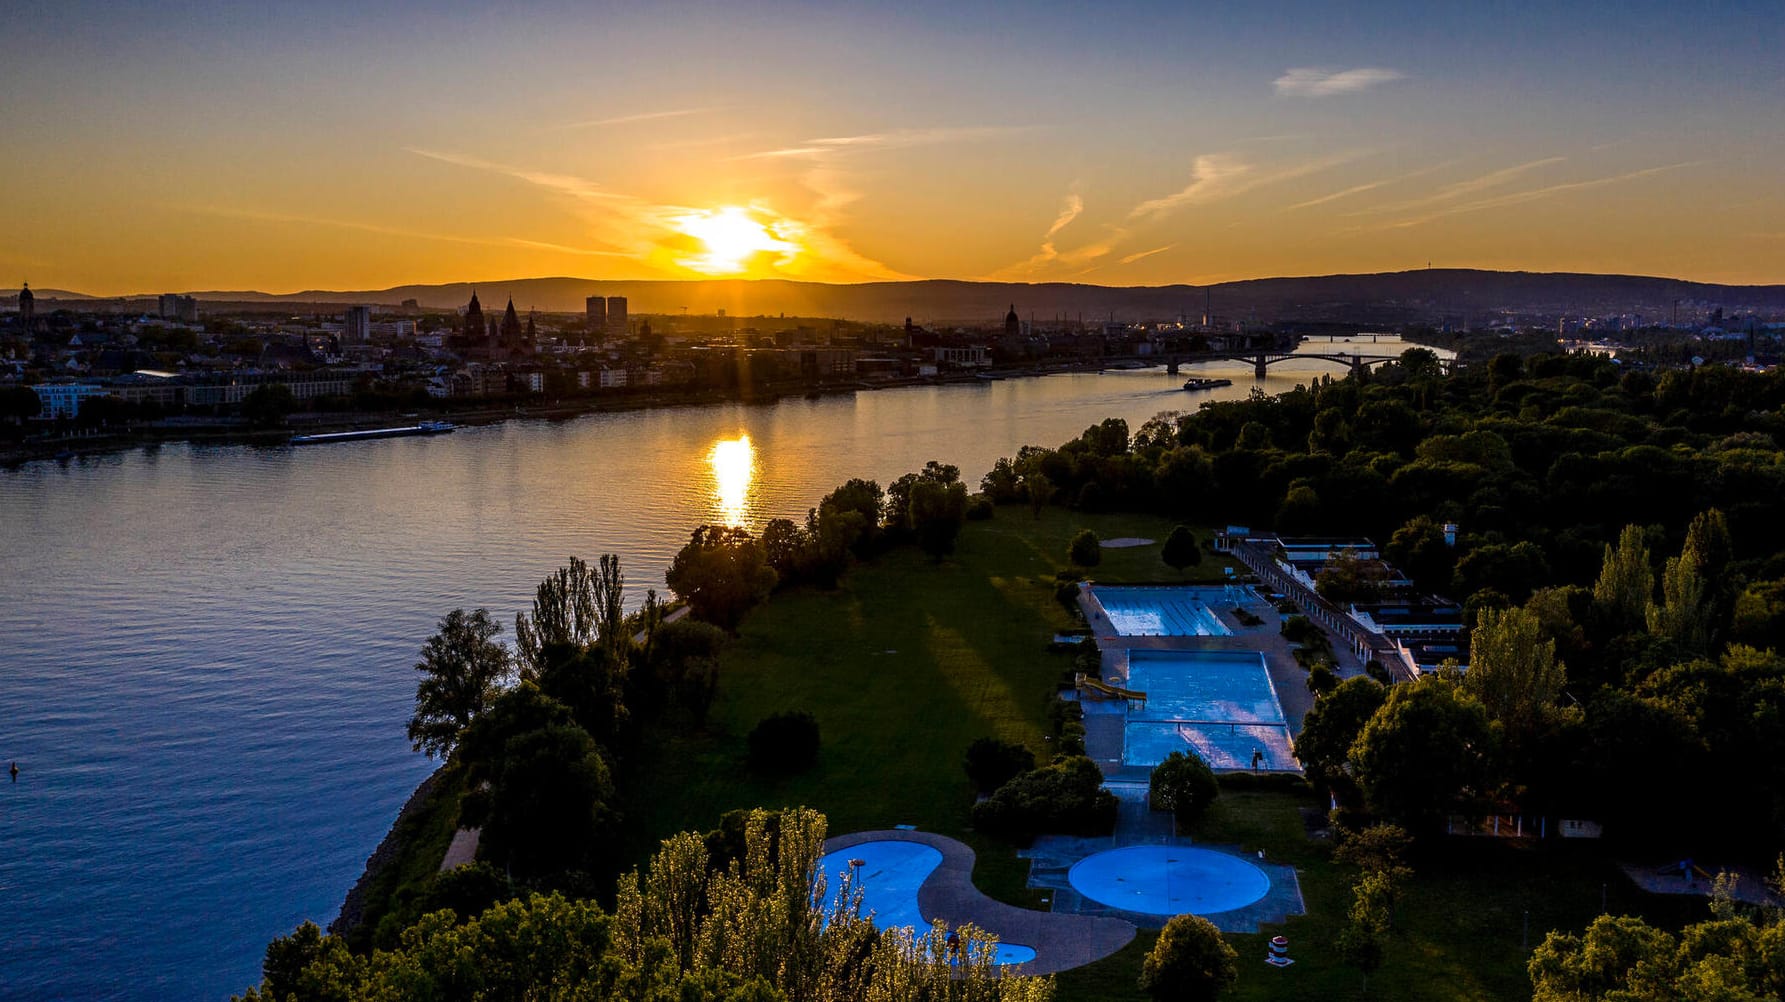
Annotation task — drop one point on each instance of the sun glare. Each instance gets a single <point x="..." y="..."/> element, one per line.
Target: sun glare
<point x="731" y="236"/>
<point x="734" y="465"/>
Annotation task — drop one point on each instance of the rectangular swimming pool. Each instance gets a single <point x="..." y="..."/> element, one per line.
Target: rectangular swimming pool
<point x="1160" y="612"/>
<point x="1219" y="704"/>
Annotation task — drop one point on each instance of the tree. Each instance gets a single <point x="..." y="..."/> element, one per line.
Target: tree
<point x="1679" y="617"/>
<point x="991" y="763"/>
<point x="1348" y="578"/>
<point x="938" y="510"/>
<point x="722" y="573"/>
<point x="1086" y="550"/>
<point x="548" y="805"/>
<point x="463" y="671"/>
<point x="1180" y="549"/>
<point x="266" y="406"/>
<point x="897" y="506"/>
<point x="1624" y="958"/>
<point x="864" y="498"/>
<point x="1626" y="582"/>
<point x="1190" y="962"/>
<point x="1332" y="725"/>
<point x="19" y="403"/>
<point x="1429" y="750"/>
<point x="1066" y="797"/>
<point x="1361" y="942"/>
<point x="563" y="616"/>
<point x="1038" y="490"/>
<point x="784" y="743"/>
<point x="1513" y="672"/>
<point x="1184" y="785"/>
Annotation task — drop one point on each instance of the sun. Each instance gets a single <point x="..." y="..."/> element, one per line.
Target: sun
<point x="731" y="237"/>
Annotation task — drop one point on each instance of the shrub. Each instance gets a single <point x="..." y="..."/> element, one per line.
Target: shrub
<point x="1072" y="738"/>
<point x="785" y="743"/>
<point x="1085" y="550"/>
<point x="1180" y="549"/>
<point x="979" y="508"/>
<point x="1322" y="679"/>
<point x="1376" y="670"/>
<point x="1184" y="785"/>
<point x="1066" y="593"/>
<point x="1275" y="782"/>
<point x="1066" y="798"/>
<point x="1189" y="963"/>
<point x="991" y="763"/>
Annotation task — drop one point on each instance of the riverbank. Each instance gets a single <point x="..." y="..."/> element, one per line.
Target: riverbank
<point x="235" y="431"/>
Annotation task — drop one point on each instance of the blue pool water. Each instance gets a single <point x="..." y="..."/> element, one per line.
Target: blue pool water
<point x="1228" y="686"/>
<point x="1161" y="612"/>
<point x="889" y="877"/>
<point x="1218" y="704"/>
<point x="1168" y="880"/>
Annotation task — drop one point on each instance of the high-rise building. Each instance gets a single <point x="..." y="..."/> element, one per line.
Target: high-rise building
<point x="616" y="314"/>
<point x="173" y="306"/>
<point x="595" y="312"/>
<point x="27" y="306"/>
<point x="356" y="328"/>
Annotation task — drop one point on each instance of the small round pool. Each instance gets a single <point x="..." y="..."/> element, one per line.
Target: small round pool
<point x="1168" y="880"/>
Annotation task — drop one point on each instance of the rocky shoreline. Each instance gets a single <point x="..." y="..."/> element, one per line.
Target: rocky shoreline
<point x="390" y="849"/>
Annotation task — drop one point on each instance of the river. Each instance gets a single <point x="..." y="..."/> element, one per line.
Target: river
<point x="206" y="652"/>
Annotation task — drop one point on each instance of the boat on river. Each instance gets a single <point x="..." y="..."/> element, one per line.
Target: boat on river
<point x="1206" y="384"/>
<point x="423" y="428"/>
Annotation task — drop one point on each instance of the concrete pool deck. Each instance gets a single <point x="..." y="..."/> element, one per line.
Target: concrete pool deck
<point x="1061" y="941"/>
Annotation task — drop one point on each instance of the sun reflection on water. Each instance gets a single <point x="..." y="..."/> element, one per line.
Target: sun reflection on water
<point x="734" y="466"/>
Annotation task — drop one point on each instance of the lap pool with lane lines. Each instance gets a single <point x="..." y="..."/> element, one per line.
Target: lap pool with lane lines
<point x="889" y="878"/>
<point x="1160" y="612"/>
<point x="1219" y="704"/>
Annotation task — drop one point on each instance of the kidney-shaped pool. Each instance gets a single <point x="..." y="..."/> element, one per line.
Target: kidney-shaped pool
<point x="889" y="874"/>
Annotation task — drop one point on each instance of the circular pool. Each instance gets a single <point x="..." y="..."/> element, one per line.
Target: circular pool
<point x="1168" y="880"/>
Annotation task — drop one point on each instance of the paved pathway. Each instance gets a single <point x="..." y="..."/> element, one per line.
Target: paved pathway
<point x="1061" y="942"/>
<point x="462" y="850"/>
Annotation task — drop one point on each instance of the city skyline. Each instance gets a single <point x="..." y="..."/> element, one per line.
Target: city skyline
<point x="329" y="147"/>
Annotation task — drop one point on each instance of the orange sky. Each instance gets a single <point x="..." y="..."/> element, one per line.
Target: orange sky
<point x="262" y="150"/>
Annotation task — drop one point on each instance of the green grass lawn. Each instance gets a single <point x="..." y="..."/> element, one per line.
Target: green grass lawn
<point x="904" y="666"/>
<point x="911" y="660"/>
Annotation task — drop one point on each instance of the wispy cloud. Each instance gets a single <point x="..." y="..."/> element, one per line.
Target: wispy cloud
<point x="1217" y="176"/>
<point x="893" y="139"/>
<point x="1071" y="208"/>
<point x="565" y="184"/>
<point x="1212" y="176"/>
<point x="1130" y="259"/>
<point x="262" y="216"/>
<point x="1463" y="188"/>
<point x="646" y="116"/>
<point x="1359" y="189"/>
<point x="1535" y="194"/>
<point x="1314" y="81"/>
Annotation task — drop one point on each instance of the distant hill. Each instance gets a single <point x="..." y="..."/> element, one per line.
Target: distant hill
<point x="1386" y="298"/>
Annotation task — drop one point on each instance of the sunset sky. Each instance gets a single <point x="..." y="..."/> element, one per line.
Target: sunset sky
<point x="283" y="146"/>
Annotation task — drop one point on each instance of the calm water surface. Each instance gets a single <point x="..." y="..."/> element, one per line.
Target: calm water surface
<point x="205" y="653"/>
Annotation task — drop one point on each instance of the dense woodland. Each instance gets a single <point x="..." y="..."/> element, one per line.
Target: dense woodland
<point x="1621" y="561"/>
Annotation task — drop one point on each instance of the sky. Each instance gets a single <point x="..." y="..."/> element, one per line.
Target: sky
<point x="281" y="146"/>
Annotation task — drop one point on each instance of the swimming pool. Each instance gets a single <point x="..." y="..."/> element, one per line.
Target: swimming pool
<point x="1168" y="880"/>
<point x="1219" y="704"/>
<point x="890" y="875"/>
<point x="1160" y="612"/>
